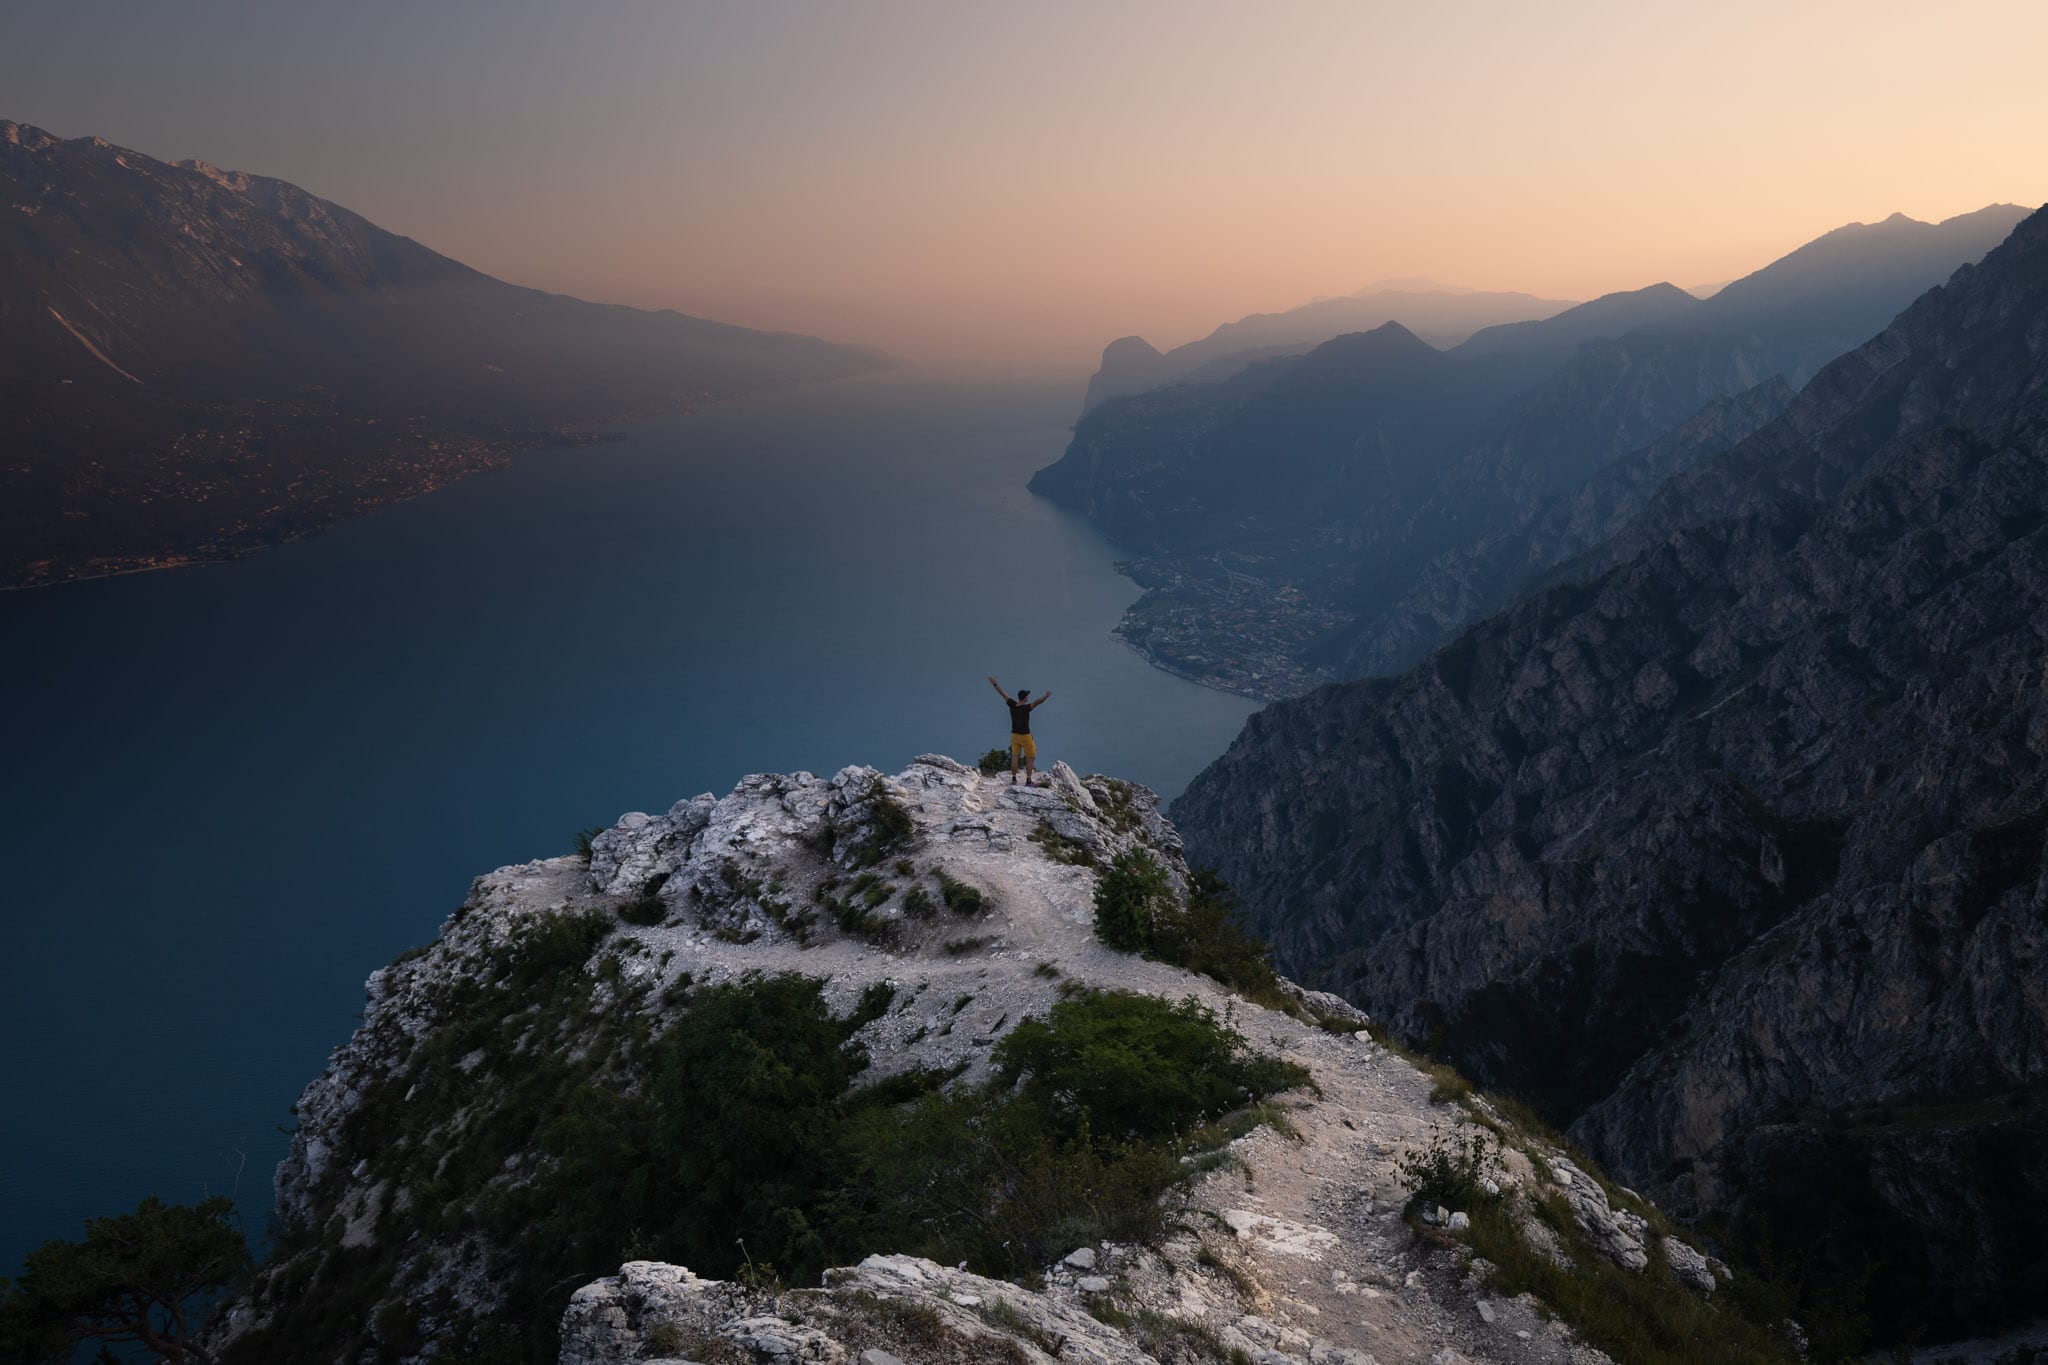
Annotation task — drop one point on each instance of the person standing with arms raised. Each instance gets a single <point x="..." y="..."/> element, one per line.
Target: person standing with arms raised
<point x="1022" y="745"/>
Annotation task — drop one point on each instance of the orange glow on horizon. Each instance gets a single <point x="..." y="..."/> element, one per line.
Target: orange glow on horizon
<point x="976" y="188"/>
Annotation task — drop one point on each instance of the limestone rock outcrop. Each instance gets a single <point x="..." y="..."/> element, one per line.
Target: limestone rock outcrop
<point x="966" y="905"/>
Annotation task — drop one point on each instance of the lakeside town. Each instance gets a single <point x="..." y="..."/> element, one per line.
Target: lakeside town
<point x="238" y="478"/>
<point x="1214" y="619"/>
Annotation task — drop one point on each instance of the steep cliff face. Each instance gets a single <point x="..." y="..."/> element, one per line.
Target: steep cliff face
<point x="1729" y="848"/>
<point x="1352" y="424"/>
<point x="1476" y="579"/>
<point x="495" y="1078"/>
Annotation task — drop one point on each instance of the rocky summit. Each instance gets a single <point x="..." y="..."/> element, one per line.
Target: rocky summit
<point x="1349" y="1218"/>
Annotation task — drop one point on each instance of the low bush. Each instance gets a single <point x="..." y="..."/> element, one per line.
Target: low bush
<point x="1642" y="1316"/>
<point x="891" y="827"/>
<point x="1208" y="937"/>
<point x="1137" y="911"/>
<point x="1062" y="849"/>
<point x="748" y="1144"/>
<point x="643" y="910"/>
<point x="746" y="1122"/>
<point x="993" y="762"/>
<point x="1451" y="1171"/>
<point x="874" y="1003"/>
<point x="1646" y="1315"/>
<point x="556" y="944"/>
<point x="1138" y="1066"/>
<point x="961" y="897"/>
<point x="1131" y="899"/>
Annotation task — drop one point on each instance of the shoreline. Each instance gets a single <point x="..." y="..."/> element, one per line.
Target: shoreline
<point x="1209" y="681"/>
<point x="497" y="457"/>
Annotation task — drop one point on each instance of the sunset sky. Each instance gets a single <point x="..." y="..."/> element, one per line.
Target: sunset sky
<point x="972" y="186"/>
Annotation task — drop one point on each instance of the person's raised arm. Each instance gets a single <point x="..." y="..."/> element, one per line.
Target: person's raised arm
<point x="1041" y="701"/>
<point x="998" y="687"/>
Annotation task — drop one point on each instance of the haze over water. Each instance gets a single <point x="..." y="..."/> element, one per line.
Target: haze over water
<point x="233" y="792"/>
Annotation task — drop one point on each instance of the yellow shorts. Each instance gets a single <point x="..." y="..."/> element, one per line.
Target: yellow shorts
<point x="1023" y="746"/>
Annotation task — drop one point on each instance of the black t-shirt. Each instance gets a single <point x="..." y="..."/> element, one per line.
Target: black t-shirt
<point x="1020" y="718"/>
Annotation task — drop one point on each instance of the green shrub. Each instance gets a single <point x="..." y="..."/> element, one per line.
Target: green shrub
<point x="874" y="1003"/>
<point x="1136" y="911"/>
<point x="747" y="1127"/>
<point x="644" y="910"/>
<point x="892" y="826"/>
<point x="918" y="903"/>
<point x="1450" y="1170"/>
<point x="1207" y="937"/>
<point x="1062" y="849"/>
<point x="904" y="1086"/>
<point x="960" y="897"/>
<point x="554" y="944"/>
<point x="991" y="1178"/>
<point x="993" y="762"/>
<point x="1643" y="1316"/>
<point x="1448" y="1084"/>
<point x="581" y="840"/>
<point x="1137" y="1065"/>
<point x="1133" y="894"/>
<point x="746" y="1120"/>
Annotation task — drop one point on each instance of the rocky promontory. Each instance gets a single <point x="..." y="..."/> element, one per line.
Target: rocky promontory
<point x="455" y="1184"/>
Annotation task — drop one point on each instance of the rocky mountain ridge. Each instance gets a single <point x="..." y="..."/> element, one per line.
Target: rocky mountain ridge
<point x="1282" y="513"/>
<point x="1443" y="317"/>
<point x="1727" y="848"/>
<point x="196" y="361"/>
<point x="1287" y="1244"/>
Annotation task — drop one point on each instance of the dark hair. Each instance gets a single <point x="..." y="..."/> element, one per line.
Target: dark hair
<point x="1022" y="693"/>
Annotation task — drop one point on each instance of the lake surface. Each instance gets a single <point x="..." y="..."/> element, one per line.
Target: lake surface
<point x="231" y="793"/>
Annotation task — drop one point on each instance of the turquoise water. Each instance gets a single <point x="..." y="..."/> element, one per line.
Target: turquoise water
<point x="232" y="792"/>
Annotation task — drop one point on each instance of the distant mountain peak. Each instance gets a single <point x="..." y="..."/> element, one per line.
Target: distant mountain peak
<point x="1388" y="341"/>
<point x="25" y="135"/>
<point x="1437" y="314"/>
<point x="1126" y="349"/>
<point x="1409" y="284"/>
<point x="152" y="308"/>
<point x="1392" y="335"/>
<point x="229" y="180"/>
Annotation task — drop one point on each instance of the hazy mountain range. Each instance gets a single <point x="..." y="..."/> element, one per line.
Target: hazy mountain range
<point x="1727" y="848"/>
<point x="195" y="360"/>
<point x="1322" y="487"/>
<point x="1440" y="315"/>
